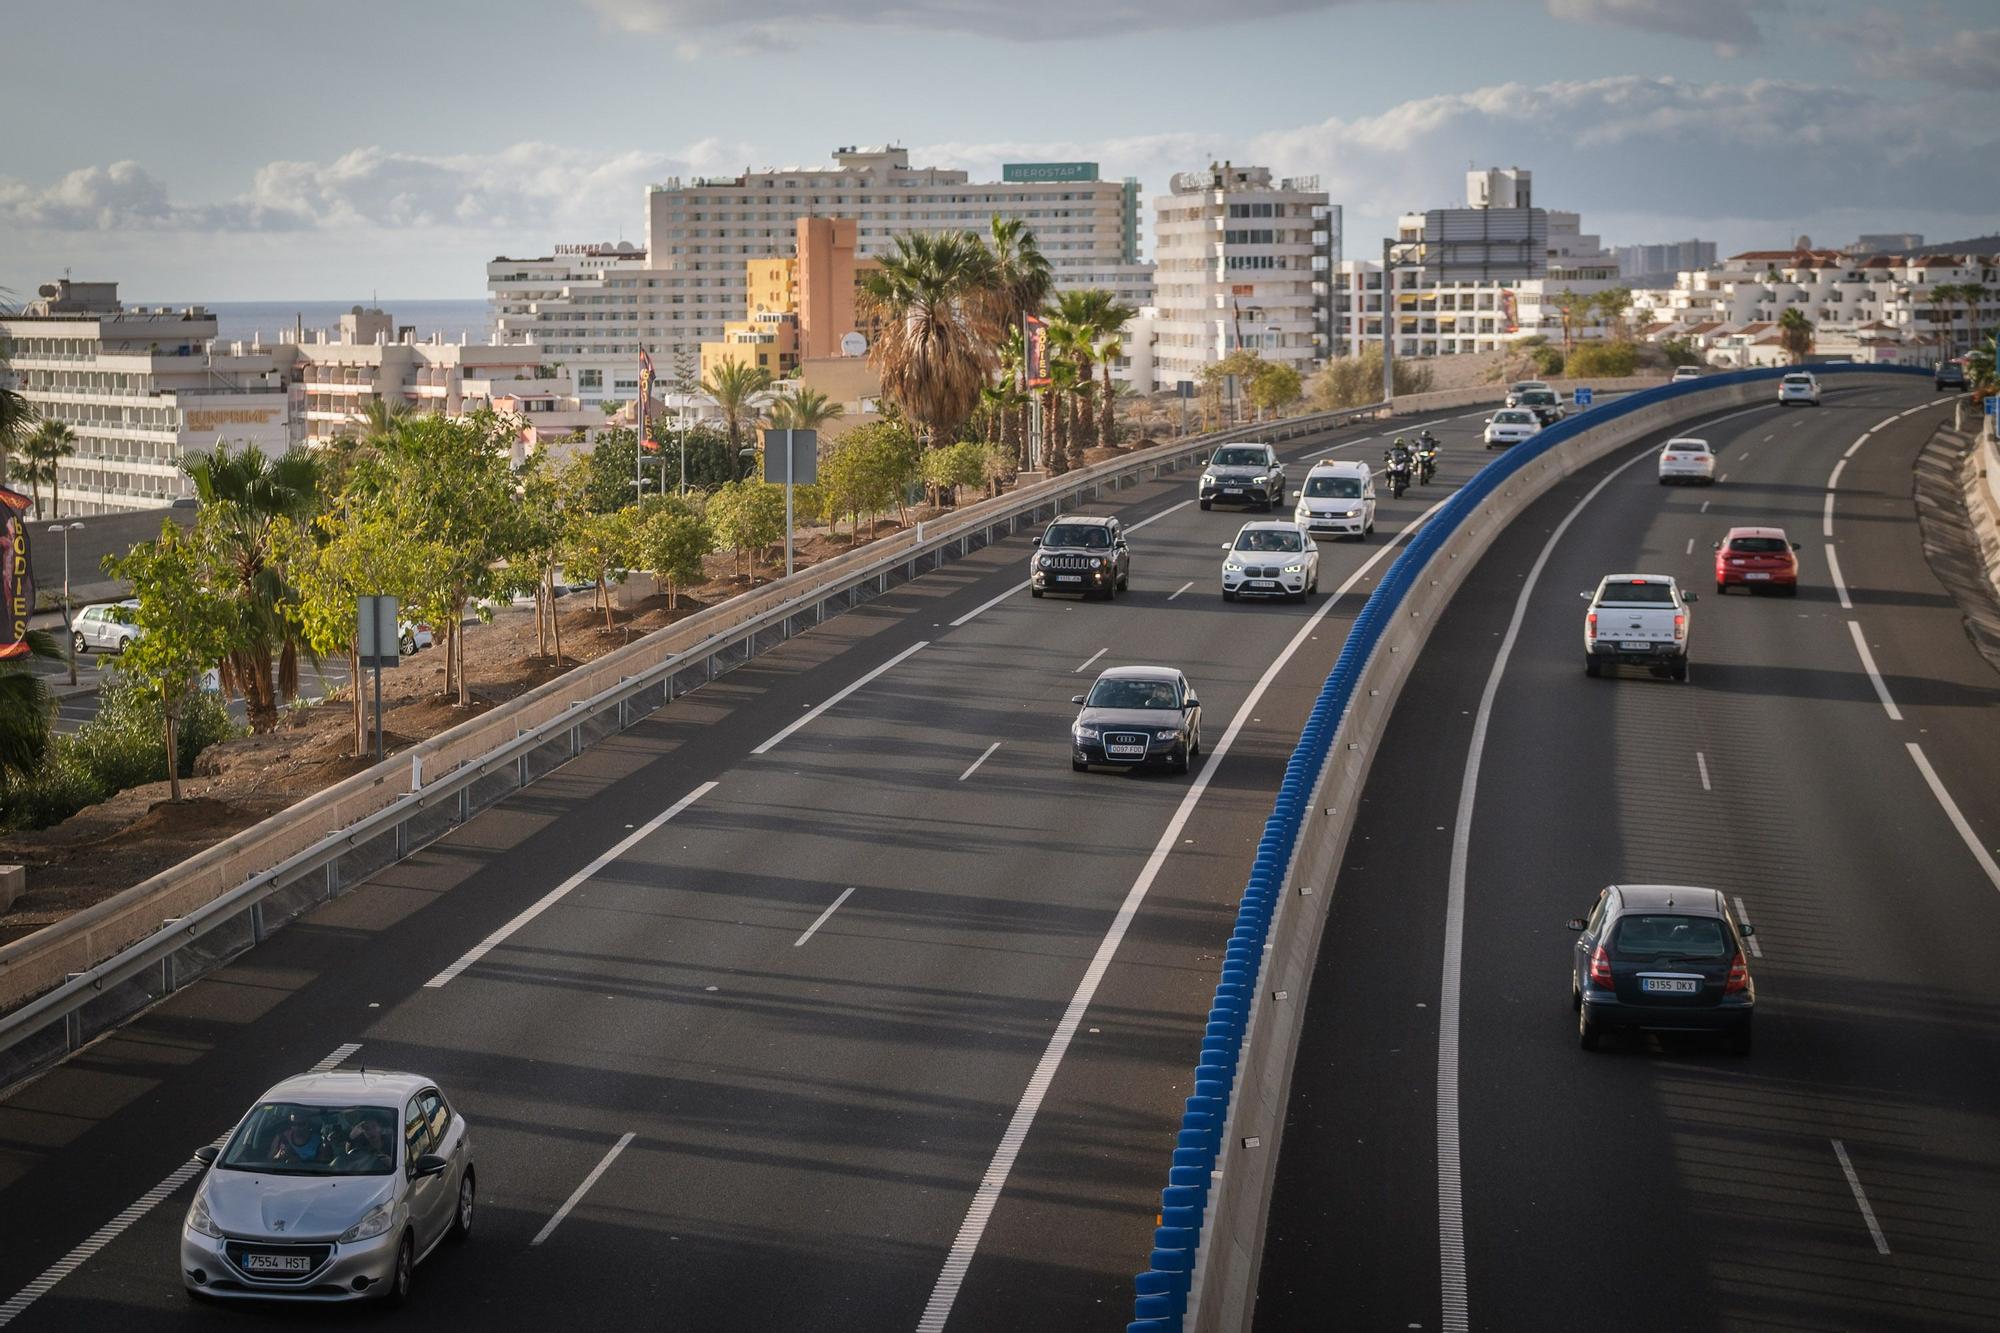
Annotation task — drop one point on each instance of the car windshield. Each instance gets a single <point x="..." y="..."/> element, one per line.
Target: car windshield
<point x="1538" y="396"/>
<point x="1798" y="379"/>
<point x="1650" y="935"/>
<point x="1758" y="545"/>
<point x="1269" y="539"/>
<point x="290" y="1139"/>
<point x="1637" y="594"/>
<point x="1337" y="488"/>
<point x="1129" y="693"/>
<point x="1077" y="534"/>
<point x="1240" y="457"/>
<point x="1686" y="447"/>
<point x="1512" y="419"/>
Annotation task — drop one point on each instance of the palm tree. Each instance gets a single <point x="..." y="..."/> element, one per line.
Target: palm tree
<point x="17" y="415"/>
<point x="932" y="296"/>
<point x="382" y="421"/>
<point x="1075" y="339"/>
<point x="1941" y="298"/>
<point x="1795" y="333"/>
<point x="1571" y="307"/>
<point x="1022" y="279"/>
<point x="734" y="386"/>
<point x="1974" y="295"/>
<point x="52" y="442"/>
<point x="26" y="709"/>
<point x="800" y="408"/>
<point x="249" y="494"/>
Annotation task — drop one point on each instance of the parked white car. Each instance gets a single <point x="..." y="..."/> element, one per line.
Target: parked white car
<point x="1687" y="460"/>
<point x="1511" y="425"/>
<point x="1686" y="373"/>
<point x="1337" y="499"/>
<point x="1270" y="559"/>
<point x="1798" y="387"/>
<point x="105" y="627"/>
<point x="1637" y="620"/>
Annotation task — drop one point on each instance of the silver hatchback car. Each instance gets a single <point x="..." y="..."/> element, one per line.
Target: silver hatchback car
<point x="333" y="1188"/>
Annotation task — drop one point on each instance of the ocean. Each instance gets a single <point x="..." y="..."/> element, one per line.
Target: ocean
<point x="242" y="320"/>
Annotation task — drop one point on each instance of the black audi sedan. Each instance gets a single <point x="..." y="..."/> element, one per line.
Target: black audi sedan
<point x="1661" y="958"/>
<point x="1137" y="717"/>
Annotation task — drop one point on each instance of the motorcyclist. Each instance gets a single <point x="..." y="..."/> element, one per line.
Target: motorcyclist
<point x="1402" y="463"/>
<point x="1427" y="449"/>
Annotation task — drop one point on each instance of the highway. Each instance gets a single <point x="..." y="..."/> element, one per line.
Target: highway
<point x="1830" y="767"/>
<point x="830" y="998"/>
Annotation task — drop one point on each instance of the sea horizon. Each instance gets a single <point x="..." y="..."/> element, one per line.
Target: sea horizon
<point x="278" y="321"/>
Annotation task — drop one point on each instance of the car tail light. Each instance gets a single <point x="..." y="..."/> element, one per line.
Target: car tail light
<point x="1590" y="626"/>
<point x="1739" y="975"/>
<point x="1600" y="968"/>
<point x="1680" y="627"/>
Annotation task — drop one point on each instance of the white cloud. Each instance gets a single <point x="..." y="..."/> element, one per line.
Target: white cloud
<point x="776" y="24"/>
<point x="1962" y="60"/>
<point x="1729" y="25"/>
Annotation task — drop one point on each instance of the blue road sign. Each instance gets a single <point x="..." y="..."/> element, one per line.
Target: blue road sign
<point x="1581" y="397"/>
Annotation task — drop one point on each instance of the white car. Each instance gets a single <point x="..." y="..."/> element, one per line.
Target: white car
<point x="1511" y="425"/>
<point x="1338" y="498"/>
<point x="1686" y="373"/>
<point x="105" y="627"/>
<point x="415" y="638"/>
<point x="1271" y="559"/>
<point x="1798" y="387"/>
<point x="1637" y="620"/>
<point x="1687" y="460"/>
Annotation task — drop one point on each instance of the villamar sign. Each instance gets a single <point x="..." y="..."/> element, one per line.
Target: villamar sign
<point x="1048" y="171"/>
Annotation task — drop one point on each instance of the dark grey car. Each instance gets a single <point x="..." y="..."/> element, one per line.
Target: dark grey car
<point x="1137" y="717"/>
<point x="1243" y="474"/>
<point x="1661" y="958"/>
<point x="1083" y="554"/>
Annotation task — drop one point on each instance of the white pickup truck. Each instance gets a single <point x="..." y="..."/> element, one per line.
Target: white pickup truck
<point x="1638" y="620"/>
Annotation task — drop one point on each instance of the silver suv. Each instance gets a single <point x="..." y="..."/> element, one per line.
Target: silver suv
<point x="1083" y="554"/>
<point x="105" y="627"/>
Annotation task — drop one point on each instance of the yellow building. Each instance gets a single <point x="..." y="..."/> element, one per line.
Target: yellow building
<point x="798" y="306"/>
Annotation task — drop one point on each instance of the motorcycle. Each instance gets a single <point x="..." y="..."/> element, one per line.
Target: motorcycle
<point x="1427" y="453"/>
<point x="1398" y="468"/>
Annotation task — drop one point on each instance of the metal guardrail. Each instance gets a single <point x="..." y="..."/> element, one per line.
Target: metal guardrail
<point x="60" y="1021"/>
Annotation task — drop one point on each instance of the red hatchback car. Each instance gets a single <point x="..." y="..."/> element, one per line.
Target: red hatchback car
<point x="1756" y="558"/>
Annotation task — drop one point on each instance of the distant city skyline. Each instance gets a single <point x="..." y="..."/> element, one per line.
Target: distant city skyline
<point x="304" y="160"/>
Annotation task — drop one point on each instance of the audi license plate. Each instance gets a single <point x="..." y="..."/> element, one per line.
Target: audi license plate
<point x="1126" y="751"/>
<point x="1634" y="647"/>
<point x="1669" y="985"/>
<point x="277" y="1263"/>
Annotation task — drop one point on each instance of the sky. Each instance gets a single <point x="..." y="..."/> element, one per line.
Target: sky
<point x="225" y="150"/>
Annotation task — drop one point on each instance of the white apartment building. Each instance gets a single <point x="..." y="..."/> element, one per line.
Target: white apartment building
<point x="592" y="307"/>
<point x="141" y="387"/>
<point x="1240" y="261"/>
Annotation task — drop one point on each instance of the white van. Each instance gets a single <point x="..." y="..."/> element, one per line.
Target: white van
<point x="1337" y="499"/>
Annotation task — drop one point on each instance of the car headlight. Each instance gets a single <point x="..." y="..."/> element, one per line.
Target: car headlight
<point x="198" y="1220"/>
<point x="1048" y="563"/>
<point x="1084" y="733"/>
<point x="1295" y="569"/>
<point x="1095" y="562"/>
<point x="1231" y="567"/>
<point x="1168" y="733"/>
<point x="372" y="1224"/>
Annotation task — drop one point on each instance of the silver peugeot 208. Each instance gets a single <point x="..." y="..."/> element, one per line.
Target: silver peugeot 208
<point x="333" y="1188"/>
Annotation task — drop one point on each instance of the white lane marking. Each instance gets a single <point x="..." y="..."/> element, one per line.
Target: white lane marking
<point x="1833" y="477"/>
<point x="1690" y="549"/>
<point x="1092" y="658"/>
<point x="840" y="694"/>
<point x="1428" y="424"/>
<point x="1874" y="676"/>
<point x="1885" y="421"/>
<point x="556" y="895"/>
<point x="1725" y="476"/>
<point x="1170" y="509"/>
<point x="1704" y="506"/>
<point x="583" y="1189"/>
<point x="1701" y="762"/>
<point x="1826" y="519"/>
<point x="1768" y="438"/>
<point x="1743" y="919"/>
<point x="846" y="892"/>
<point x="1451" y="1203"/>
<point x="977" y="762"/>
<point x="1344" y="444"/>
<point x="1178" y="591"/>
<point x="17" y="1304"/>
<point x="1852" y="449"/>
<point x="1854" y="1183"/>
<point x="1839" y="585"/>
<point x="984" y="1200"/>
<point x="1957" y="817"/>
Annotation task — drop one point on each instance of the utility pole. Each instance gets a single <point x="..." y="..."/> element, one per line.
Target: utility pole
<point x="1388" y="323"/>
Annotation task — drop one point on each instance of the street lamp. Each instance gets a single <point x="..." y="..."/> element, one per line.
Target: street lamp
<point x="68" y="634"/>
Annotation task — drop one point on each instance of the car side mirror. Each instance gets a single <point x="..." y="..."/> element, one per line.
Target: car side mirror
<point x="429" y="1164"/>
<point x="1193" y="702"/>
<point x="1586" y="596"/>
<point x="1745" y="929"/>
<point x="1037" y="541"/>
<point x="1690" y="597"/>
<point x="207" y="1153"/>
<point x="1575" y="923"/>
<point x="1227" y="547"/>
<point x="1121" y="544"/>
<point x="1076" y="698"/>
<point x="1795" y="546"/>
<point x="1715" y="546"/>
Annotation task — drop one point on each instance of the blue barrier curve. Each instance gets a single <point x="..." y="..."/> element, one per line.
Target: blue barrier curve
<point x="1161" y="1292"/>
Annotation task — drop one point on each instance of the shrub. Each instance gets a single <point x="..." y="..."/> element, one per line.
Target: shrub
<point x="955" y="465"/>
<point x="1603" y="360"/>
<point x="125" y="745"/>
<point x="1680" y="352"/>
<point x="1548" y="360"/>
<point x="61" y="786"/>
<point x="1350" y="381"/>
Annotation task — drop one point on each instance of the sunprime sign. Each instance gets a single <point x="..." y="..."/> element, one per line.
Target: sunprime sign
<point x="1048" y="171"/>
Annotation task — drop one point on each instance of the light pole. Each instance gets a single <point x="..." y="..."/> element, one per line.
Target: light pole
<point x="69" y="634"/>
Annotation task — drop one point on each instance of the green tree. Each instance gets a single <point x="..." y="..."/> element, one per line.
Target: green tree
<point x="1611" y="305"/>
<point x="598" y="547"/>
<point x="1680" y="352"/>
<point x="735" y="387"/>
<point x="1275" y="386"/>
<point x="1795" y="334"/>
<point x="955" y="465"/>
<point x="48" y="446"/>
<point x="671" y="542"/>
<point x="1020" y="281"/>
<point x="1572" y="307"/>
<point x="933" y="298"/>
<point x="800" y="408"/>
<point x="17" y="414"/>
<point x="552" y="491"/>
<point x="748" y="516"/>
<point x="1974" y="295"/>
<point x="189" y="627"/>
<point x="26" y="710"/>
<point x="864" y="472"/>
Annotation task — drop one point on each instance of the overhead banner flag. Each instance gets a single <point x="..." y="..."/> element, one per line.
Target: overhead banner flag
<point x="17" y="580"/>
<point x="1035" y="351"/>
<point x="646" y="440"/>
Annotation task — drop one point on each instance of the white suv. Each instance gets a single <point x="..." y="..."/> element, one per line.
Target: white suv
<point x="1798" y="387"/>
<point x="1338" y="498"/>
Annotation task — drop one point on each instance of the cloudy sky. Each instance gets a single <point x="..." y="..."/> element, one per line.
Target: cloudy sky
<point x="228" y="150"/>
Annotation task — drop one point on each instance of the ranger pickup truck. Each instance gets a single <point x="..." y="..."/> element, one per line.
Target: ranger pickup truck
<point x="1637" y="620"/>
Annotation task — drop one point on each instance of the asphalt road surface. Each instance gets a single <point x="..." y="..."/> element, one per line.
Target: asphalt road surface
<point x="1846" y="1175"/>
<point x="838" y="944"/>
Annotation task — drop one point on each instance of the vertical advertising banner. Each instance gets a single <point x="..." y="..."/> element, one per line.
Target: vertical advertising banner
<point x="17" y="581"/>
<point x="646" y="440"/>
<point x="1035" y="351"/>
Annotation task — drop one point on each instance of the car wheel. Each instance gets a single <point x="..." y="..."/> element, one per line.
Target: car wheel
<point x="1125" y="581"/>
<point x="1721" y="588"/>
<point x="123" y="644"/>
<point x="76" y="642"/>
<point x="1592" y="667"/>
<point x="399" y="1279"/>
<point x="461" y="1218"/>
<point x="1587" y="1032"/>
<point x="1679" y="671"/>
<point x="1575" y="997"/>
<point x="1791" y="590"/>
<point x="1179" y="766"/>
<point x="1034" y="592"/>
<point x="1739" y="1040"/>
<point x="1207" y="504"/>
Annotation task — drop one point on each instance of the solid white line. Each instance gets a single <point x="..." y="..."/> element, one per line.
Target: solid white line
<point x="1874" y="676"/>
<point x="1701" y="762"/>
<point x="1428" y="424"/>
<point x="1885" y="421"/>
<point x="966" y="1244"/>
<point x="840" y="694"/>
<point x="1839" y="585"/>
<point x="977" y="762"/>
<point x="17" y="1304"/>
<point x="556" y="895"/>
<point x="1743" y="919"/>
<point x="1092" y="658"/>
<point x="1344" y="444"/>
<point x="1957" y="817"/>
<point x="988" y="605"/>
<point x="1854" y="1183"/>
<point x="850" y="888"/>
<point x="1170" y="509"/>
<point x="1833" y="478"/>
<point x="582" y="1189"/>
<point x="1826" y="520"/>
<point x="1451" y="1204"/>
<point x="1178" y="591"/>
<point x="1853" y="448"/>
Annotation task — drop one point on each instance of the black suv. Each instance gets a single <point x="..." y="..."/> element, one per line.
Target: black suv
<point x="1950" y="375"/>
<point x="1083" y="554"/>
<point x="1661" y="958"/>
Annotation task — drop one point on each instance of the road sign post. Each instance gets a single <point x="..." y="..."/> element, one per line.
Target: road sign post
<point x="800" y="468"/>
<point x="1581" y="397"/>
<point x="378" y="642"/>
